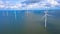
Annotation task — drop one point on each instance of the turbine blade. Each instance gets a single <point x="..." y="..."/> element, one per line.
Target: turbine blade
<point x="45" y="21"/>
<point x="15" y="14"/>
<point x="49" y="15"/>
<point x="42" y="18"/>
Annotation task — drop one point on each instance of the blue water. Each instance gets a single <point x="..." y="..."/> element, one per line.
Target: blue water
<point x="28" y="23"/>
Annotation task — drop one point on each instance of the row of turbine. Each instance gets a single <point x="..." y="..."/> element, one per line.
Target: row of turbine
<point x="7" y="14"/>
<point x="45" y="16"/>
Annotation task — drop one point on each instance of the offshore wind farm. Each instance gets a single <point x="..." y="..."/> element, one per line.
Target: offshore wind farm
<point x="34" y="22"/>
<point x="30" y="17"/>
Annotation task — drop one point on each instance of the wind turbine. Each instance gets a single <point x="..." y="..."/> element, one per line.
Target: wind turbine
<point x="27" y="11"/>
<point x="45" y="17"/>
<point x="15" y="14"/>
<point x="3" y="12"/>
<point x="28" y="7"/>
<point x="7" y="13"/>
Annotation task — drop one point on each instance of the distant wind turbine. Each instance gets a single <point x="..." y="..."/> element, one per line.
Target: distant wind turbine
<point x="28" y="7"/>
<point x="15" y="14"/>
<point x="3" y="12"/>
<point x="27" y="11"/>
<point x="7" y="13"/>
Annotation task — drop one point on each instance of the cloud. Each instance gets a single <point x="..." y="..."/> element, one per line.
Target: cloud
<point x="53" y="3"/>
<point x="32" y="1"/>
<point x="38" y="4"/>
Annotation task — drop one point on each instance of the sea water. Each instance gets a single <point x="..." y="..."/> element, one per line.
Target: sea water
<point x="29" y="22"/>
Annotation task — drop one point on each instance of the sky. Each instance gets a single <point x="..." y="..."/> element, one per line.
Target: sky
<point x="29" y="4"/>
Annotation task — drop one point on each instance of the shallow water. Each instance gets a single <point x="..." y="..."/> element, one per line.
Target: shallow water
<point x="31" y="22"/>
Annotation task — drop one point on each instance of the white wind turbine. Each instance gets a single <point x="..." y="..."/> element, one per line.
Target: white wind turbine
<point x="27" y="11"/>
<point x="7" y="13"/>
<point x="28" y="7"/>
<point x="15" y="15"/>
<point x="2" y="13"/>
<point x="53" y="4"/>
<point x="45" y="17"/>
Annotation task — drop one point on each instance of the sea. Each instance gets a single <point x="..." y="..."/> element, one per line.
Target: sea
<point x="29" y="22"/>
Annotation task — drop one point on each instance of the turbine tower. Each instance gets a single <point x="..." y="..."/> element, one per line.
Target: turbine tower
<point x="45" y="20"/>
<point x="3" y="12"/>
<point x="27" y="11"/>
<point x="7" y="13"/>
<point x="15" y="14"/>
<point x="45" y="16"/>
